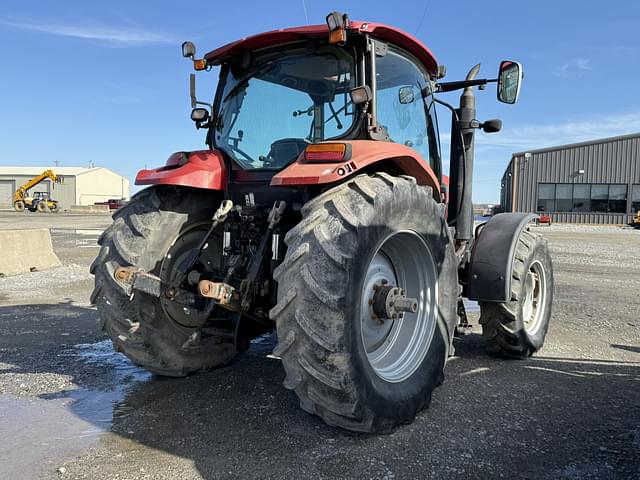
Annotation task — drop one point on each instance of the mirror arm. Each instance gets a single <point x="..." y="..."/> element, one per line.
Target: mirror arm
<point x="451" y="86"/>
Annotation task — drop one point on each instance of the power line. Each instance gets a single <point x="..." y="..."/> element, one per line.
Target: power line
<point x="424" y="14"/>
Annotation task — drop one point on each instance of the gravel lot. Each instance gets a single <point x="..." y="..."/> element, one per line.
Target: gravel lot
<point x="72" y="408"/>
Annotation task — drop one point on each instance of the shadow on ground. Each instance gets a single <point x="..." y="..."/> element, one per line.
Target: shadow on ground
<point x="541" y="418"/>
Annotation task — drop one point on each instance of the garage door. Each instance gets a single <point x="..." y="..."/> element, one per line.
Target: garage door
<point x="6" y="193"/>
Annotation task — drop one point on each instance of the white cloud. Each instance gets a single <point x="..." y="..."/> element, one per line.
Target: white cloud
<point x="122" y="36"/>
<point x="575" y="68"/>
<point x="538" y="136"/>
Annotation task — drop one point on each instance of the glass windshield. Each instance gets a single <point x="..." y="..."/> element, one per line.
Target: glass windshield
<point x="272" y="110"/>
<point x="405" y="105"/>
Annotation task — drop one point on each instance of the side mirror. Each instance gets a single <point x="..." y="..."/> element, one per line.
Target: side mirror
<point x="406" y="95"/>
<point x="360" y="95"/>
<point x="188" y="50"/>
<point x="509" y="80"/>
<point x="200" y="116"/>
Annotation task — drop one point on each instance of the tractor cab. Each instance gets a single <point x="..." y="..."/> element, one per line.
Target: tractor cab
<point x="307" y="85"/>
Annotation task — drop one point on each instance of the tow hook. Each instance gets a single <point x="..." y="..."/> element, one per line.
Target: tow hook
<point x="391" y="303"/>
<point x="222" y="293"/>
<point x="139" y="280"/>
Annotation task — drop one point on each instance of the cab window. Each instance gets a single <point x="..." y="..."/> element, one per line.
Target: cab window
<point x="403" y="109"/>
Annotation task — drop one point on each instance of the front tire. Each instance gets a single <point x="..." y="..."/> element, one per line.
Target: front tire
<point x="145" y="233"/>
<point x="18" y="206"/>
<point x="371" y="228"/>
<point x="517" y="328"/>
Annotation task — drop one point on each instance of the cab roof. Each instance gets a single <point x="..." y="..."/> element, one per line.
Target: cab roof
<point x="288" y="35"/>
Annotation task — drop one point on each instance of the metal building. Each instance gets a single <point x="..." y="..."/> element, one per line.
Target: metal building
<point x="80" y="186"/>
<point x="588" y="182"/>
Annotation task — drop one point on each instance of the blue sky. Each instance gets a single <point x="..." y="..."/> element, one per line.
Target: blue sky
<point x="104" y="82"/>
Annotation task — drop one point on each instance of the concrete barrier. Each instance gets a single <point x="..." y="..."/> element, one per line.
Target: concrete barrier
<point x="89" y="209"/>
<point x="22" y="251"/>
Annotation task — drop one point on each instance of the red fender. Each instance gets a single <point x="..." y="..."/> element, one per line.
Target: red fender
<point x="364" y="153"/>
<point x="200" y="169"/>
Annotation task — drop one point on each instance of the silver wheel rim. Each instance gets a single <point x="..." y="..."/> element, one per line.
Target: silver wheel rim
<point x="396" y="348"/>
<point x="534" y="297"/>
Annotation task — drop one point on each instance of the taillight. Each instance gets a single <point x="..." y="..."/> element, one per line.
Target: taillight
<point x="327" y="152"/>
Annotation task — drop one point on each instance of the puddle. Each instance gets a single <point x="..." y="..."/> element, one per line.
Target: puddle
<point x="39" y="432"/>
<point x="263" y="345"/>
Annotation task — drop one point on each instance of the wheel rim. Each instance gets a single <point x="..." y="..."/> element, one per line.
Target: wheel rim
<point x="209" y="261"/>
<point x="534" y="301"/>
<point x="396" y="348"/>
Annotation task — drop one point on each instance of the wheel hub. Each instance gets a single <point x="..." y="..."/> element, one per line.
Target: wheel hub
<point x="390" y="302"/>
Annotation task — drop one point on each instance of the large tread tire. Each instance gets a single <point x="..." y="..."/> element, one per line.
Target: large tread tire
<point x="319" y="293"/>
<point x="141" y="234"/>
<point x="503" y="325"/>
<point x="19" y="206"/>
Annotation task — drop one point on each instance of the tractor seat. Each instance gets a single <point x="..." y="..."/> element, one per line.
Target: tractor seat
<point x="285" y="151"/>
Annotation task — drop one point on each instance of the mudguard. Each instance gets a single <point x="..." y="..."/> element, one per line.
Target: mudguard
<point x="364" y="153"/>
<point x="492" y="257"/>
<point x="199" y="169"/>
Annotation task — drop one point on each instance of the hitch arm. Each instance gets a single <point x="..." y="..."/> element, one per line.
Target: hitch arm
<point x="187" y="264"/>
<point x="152" y="285"/>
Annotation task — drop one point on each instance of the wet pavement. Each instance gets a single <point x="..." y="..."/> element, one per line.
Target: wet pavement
<point x="44" y="428"/>
<point x="70" y="407"/>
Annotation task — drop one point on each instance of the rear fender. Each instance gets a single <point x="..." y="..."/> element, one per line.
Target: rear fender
<point x="492" y="257"/>
<point x="200" y="169"/>
<point x="365" y="154"/>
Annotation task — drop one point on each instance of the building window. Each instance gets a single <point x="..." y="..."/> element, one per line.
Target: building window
<point x="617" y="198"/>
<point x="546" y="197"/>
<point x="635" y="199"/>
<point x="581" y="198"/>
<point x="564" y="197"/>
<point x="599" y="198"/>
<point x="567" y="197"/>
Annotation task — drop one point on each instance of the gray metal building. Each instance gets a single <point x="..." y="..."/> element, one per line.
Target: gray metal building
<point x="588" y="182"/>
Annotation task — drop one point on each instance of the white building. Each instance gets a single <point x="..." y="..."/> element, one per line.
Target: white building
<point x="80" y="186"/>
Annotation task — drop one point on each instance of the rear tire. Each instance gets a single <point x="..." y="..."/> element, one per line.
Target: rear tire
<point x="324" y="334"/>
<point x="517" y="328"/>
<point x="53" y="208"/>
<point x="19" y="206"/>
<point x="141" y="235"/>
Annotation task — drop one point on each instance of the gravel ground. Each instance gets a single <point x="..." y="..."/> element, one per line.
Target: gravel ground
<point x="72" y="408"/>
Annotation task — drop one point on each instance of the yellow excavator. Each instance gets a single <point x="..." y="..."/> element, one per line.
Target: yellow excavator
<point x="40" y="201"/>
<point x="636" y="219"/>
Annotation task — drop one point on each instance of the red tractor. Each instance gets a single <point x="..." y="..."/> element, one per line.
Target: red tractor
<point x="318" y="210"/>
